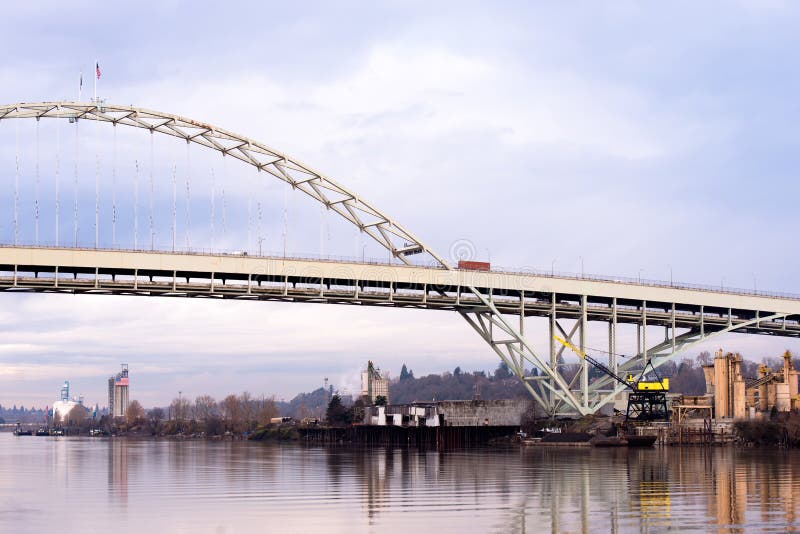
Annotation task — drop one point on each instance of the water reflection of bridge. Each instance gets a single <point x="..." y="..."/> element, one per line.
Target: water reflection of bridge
<point x="594" y="490"/>
<point x="488" y="490"/>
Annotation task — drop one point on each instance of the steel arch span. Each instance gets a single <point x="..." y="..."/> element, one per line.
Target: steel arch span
<point x="488" y="302"/>
<point x="367" y="218"/>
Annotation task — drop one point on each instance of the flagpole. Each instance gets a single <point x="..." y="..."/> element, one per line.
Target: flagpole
<point x="96" y="63"/>
<point x="80" y="88"/>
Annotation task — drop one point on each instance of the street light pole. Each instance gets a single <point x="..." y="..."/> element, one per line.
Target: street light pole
<point x="553" y="268"/>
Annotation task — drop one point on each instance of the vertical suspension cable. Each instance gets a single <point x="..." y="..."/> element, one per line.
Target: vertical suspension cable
<point x="136" y="208"/>
<point x="260" y="239"/>
<point x="357" y="243"/>
<point x="114" y="191"/>
<point x="362" y="247"/>
<point x="321" y="231"/>
<point x="224" y="202"/>
<point x="265" y="215"/>
<point x="152" y="192"/>
<point x="188" y="195"/>
<point x="97" y="200"/>
<point x="36" y="191"/>
<point x="249" y="222"/>
<point x="285" y="216"/>
<point x="97" y="186"/>
<point x="213" y="194"/>
<point x="357" y="237"/>
<point x="58" y="169"/>
<point x="174" y="204"/>
<point x="75" y="188"/>
<point x="16" y="190"/>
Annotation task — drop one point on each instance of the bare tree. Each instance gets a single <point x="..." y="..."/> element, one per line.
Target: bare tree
<point x="248" y="411"/>
<point x="155" y="416"/>
<point x="76" y="415"/>
<point x="135" y="413"/>
<point x="266" y="410"/>
<point x="233" y="413"/>
<point x="204" y="408"/>
<point x="179" y="408"/>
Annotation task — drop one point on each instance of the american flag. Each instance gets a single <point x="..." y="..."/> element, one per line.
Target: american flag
<point x="97" y="69"/>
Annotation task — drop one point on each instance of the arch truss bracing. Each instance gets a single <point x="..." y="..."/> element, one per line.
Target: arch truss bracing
<point x="401" y="243"/>
<point x="491" y="314"/>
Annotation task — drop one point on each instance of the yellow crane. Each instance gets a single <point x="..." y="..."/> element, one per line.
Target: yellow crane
<point x="647" y="399"/>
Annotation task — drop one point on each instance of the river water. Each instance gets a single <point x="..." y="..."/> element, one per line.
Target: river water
<point x="117" y="485"/>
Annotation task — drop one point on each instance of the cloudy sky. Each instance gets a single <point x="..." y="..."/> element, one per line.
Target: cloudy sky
<point x="636" y="140"/>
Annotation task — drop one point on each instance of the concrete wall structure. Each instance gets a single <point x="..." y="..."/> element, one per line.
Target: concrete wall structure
<point x="483" y="412"/>
<point x="506" y="412"/>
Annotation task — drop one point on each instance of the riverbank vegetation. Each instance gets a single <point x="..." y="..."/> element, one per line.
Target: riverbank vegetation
<point x="780" y="429"/>
<point x="235" y="415"/>
<point x="242" y="414"/>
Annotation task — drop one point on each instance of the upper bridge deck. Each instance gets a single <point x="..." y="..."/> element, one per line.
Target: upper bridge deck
<point x="238" y="276"/>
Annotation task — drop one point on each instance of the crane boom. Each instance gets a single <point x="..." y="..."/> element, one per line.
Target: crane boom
<point x="647" y="400"/>
<point x="594" y="362"/>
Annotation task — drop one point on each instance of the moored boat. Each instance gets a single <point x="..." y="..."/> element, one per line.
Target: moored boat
<point x="641" y="441"/>
<point x="608" y="441"/>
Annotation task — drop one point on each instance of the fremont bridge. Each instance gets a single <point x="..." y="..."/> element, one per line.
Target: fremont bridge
<point x="669" y="319"/>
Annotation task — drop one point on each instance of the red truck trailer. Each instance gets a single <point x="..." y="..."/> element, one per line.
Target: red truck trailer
<point x="474" y="265"/>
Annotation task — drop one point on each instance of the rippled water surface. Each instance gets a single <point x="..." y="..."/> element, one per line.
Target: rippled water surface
<point x="99" y="485"/>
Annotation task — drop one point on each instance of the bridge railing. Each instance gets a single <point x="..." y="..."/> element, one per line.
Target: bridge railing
<point x="648" y="282"/>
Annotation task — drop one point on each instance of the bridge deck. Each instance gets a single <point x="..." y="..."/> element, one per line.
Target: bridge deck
<point x="65" y="270"/>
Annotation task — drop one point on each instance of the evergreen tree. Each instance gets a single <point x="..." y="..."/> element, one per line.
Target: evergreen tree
<point x="337" y="414"/>
<point x="502" y="372"/>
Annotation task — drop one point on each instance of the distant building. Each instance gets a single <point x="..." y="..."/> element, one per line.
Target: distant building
<point x="118" y="398"/>
<point x="64" y="405"/>
<point x="373" y="384"/>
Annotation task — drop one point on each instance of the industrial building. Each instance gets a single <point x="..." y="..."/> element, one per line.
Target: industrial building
<point x="459" y="413"/>
<point x="373" y="384"/>
<point x="730" y="397"/>
<point x="64" y="405"/>
<point x="118" y="397"/>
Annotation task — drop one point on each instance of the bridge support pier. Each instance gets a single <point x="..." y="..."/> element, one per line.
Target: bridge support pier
<point x="558" y="394"/>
